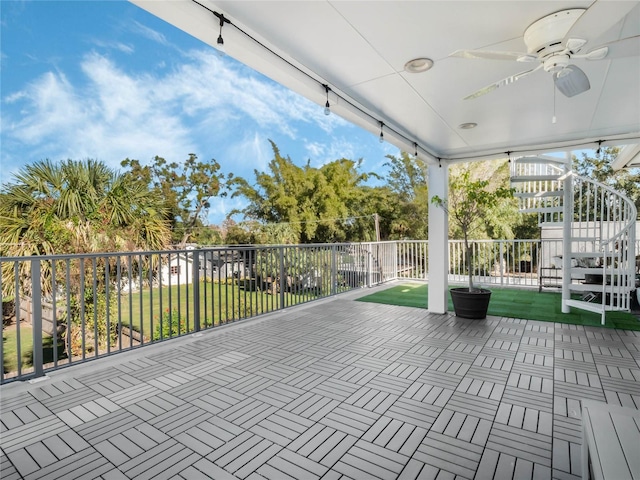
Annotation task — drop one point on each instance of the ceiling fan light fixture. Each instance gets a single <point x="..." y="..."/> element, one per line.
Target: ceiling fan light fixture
<point x="467" y="125"/>
<point x="418" y="65"/>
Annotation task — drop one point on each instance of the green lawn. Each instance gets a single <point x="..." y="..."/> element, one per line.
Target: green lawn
<point x="513" y="303"/>
<point x="219" y="303"/>
<point x="142" y="311"/>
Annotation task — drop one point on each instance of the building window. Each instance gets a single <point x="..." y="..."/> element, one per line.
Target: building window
<point x="175" y="270"/>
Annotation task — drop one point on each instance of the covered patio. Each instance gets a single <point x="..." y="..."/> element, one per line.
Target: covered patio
<point x="332" y="389"/>
<point x="340" y="389"/>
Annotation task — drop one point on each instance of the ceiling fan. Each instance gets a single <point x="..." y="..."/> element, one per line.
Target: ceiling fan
<point x="556" y="40"/>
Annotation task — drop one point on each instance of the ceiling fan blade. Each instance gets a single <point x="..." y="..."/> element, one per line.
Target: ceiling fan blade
<point x="571" y="81"/>
<point x="599" y="18"/>
<point x="627" y="47"/>
<point x="501" y="83"/>
<point x="493" y="55"/>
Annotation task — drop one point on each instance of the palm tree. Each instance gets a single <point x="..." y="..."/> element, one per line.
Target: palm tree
<point x="78" y="207"/>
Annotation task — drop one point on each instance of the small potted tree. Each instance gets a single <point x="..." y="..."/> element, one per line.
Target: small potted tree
<point x="467" y="206"/>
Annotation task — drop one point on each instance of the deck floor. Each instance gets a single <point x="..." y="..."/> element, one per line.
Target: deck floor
<point x="335" y="389"/>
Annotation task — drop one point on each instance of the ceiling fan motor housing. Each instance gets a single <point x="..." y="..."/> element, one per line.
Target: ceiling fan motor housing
<point x="556" y="63"/>
<point x="544" y="37"/>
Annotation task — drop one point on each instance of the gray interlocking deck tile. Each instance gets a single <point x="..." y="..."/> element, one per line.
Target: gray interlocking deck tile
<point x="622" y="399"/>
<point x="501" y="466"/>
<point x="85" y="464"/>
<point x="472" y="405"/>
<point x="449" y="454"/>
<point x="107" y="426"/>
<point x="414" y="412"/>
<point x="619" y="385"/>
<point x="313" y="406"/>
<point x="578" y="392"/>
<point x="527" y="445"/>
<point x="632" y="374"/>
<point x="70" y="399"/>
<point x="323" y="444"/>
<point x="395" y="435"/>
<point x="354" y="375"/>
<point x="481" y="388"/>
<point x="467" y="428"/>
<point x="288" y="464"/>
<point x="567" y="428"/>
<point x="324" y="367"/>
<point x="529" y="419"/>
<point x="530" y="382"/>
<point x="488" y="374"/>
<point x="248" y="413"/>
<point x="562" y="375"/>
<point x="244" y="454"/>
<point x="377" y="365"/>
<point x="624" y="362"/>
<point x="28" y="413"/>
<point x="224" y="376"/>
<point x="165" y="460"/>
<point x="533" y="370"/>
<point x="305" y="379"/>
<point x="528" y="398"/>
<point x="27" y="434"/>
<point x="203" y="468"/>
<point x="442" y="379"/>
<point x="367" y="460"/>
<point x="9" y="472"/>
<point x="350" y="419"/>
<point x="192" y="389"/>
<point x="430" y="394"/>
<point x="282" y="427"/>
<point x="279" y="394"/>
<point x="390" y="383"/>
<point x="371" y="399"/>
<point x="567" y="457"/>
<point x="505" y="354"/>
<point x="339" y="389"/>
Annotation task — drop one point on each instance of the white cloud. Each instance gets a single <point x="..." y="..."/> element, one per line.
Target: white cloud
<point x="149" y="33"/>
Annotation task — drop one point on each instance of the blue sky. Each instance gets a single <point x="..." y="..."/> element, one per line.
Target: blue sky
<point x="106" y="80"/>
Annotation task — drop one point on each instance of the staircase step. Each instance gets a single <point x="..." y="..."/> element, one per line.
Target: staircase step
<point x="554" y="193"/>
<point x="586" y="255"/>
<point x="585" y="239"/>
<point x="542" y="160"/>
<point x="586" y="287"/>
<point x="535" y="178"/>
<point x="541" y="210"/>
<point x="582" y="305"/>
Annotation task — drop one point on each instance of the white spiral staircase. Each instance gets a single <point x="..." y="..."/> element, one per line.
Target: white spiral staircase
<point x="598" y="231"/>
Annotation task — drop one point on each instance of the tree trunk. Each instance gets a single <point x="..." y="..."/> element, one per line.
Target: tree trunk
<point x="467" y="251"/>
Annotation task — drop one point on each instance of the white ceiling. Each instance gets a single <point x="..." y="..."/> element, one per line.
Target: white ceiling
<point x="359" y="49"/>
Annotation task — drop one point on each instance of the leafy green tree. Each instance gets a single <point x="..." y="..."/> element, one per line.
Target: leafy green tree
<point x="407" y="180"/>
<point x="78" y="207"/>
<point x="187" y="189"/>
<point x="315" y="202"/>
<point x="470" y="201"/>
<point x="598" y="167"/>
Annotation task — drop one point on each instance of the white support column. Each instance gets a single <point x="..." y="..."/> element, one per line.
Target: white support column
<point x="438" y="182"/>
<point x="567" y="234"/>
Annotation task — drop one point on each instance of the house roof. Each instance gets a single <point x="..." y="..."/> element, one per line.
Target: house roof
<point x="359" y="50"/>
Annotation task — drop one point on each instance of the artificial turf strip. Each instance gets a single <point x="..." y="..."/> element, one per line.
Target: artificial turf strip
<point x="512" y="303"/>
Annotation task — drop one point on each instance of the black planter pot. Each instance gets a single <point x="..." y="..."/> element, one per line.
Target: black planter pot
<point x="468" y="304"/>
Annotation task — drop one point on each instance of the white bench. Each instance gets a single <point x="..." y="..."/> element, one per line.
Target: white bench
<point x="610" y="442"/>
